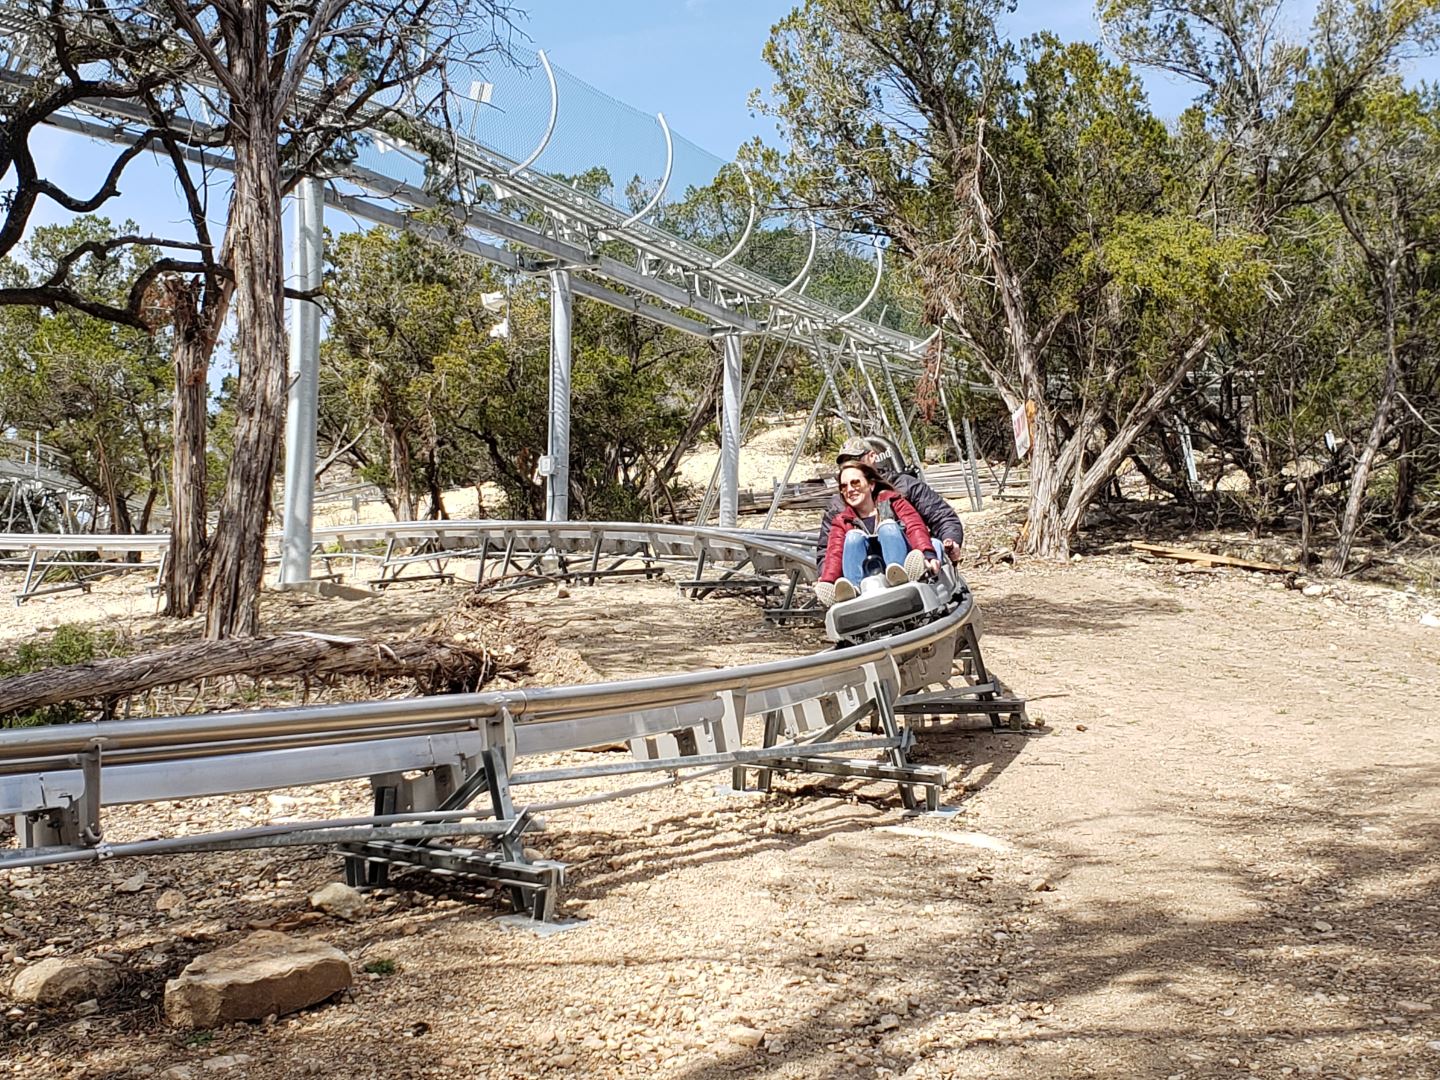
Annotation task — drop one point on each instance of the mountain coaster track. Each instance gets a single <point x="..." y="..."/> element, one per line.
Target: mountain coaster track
<point x="446" y="766"/>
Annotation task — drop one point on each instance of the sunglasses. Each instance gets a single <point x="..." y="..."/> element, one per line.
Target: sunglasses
<point x="853" y="485"/>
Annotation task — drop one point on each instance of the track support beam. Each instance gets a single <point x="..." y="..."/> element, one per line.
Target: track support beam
<point x="309" y="254"/>
<point x="556" y="466"/>
<point x="730" y="434"/>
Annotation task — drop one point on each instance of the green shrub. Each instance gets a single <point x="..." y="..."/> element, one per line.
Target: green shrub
<point x="68" y="644"/>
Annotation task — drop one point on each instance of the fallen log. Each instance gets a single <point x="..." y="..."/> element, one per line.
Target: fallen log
<point x="1190" y="555"/>
<point x="436" y="665"/>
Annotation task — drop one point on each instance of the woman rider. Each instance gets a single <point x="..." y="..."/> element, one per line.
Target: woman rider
<point x="872" y="508"/>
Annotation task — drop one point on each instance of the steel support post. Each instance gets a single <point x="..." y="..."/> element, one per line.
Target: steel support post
<point x="974" y="472"/>
<point x="730" y="434"/>
<point x="820" y="355"/>
<point x="916" y="460"/>
<point x="971" y="478"/>
<point x="557" y="465"/>
<point x="309" y="253"/>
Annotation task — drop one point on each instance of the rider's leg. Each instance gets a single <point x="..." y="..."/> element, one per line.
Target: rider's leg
<point x="892" y="542"/>
<point x="853" y="555"/>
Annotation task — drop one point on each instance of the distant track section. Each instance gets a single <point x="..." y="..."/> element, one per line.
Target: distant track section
<point x="735" y="559"/>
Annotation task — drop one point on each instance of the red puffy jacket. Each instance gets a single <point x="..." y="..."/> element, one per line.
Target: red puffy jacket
<point x="916" y="534"/>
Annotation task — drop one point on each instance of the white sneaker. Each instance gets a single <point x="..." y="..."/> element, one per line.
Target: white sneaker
<point x="895" y="575"/>
<point x="915" y="565"/>
<point x="825" y="593"/>
<point x="845" y="590"/>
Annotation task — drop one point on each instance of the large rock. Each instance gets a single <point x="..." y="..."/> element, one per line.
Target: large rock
<point x="267" y="973"/>
<point x="59" y="980"/>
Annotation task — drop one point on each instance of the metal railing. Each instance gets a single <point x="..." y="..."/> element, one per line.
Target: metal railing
<point x="429" y="758"/>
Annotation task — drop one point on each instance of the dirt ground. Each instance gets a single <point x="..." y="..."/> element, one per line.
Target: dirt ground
<point x="1220" y="858"/>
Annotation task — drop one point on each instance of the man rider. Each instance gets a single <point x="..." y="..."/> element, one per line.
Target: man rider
<point x="940" y="519"/>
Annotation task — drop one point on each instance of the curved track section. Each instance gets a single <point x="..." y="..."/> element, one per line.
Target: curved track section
<point x="761" y="561"/>
<point x="429" y="758"/>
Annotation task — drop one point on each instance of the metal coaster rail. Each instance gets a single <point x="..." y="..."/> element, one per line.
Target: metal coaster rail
<point x="437" y="755"/>
<point x="727" y="552"/>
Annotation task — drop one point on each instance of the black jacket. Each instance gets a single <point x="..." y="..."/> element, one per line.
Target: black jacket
<point x="939" y="518"/>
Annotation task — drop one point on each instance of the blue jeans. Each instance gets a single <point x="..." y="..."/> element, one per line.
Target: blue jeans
<point x="893" y="546"/>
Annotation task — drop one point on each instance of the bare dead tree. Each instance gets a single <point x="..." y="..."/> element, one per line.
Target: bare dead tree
<point x="285" y="90"/>
<point x="295" y="85"/>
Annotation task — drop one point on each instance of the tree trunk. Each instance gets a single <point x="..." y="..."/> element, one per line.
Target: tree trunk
<point x="113" y="501"/>
<point x="1044" y="533"/>
<point x="403" y="494"/>
<point x="1365" y="463"/>
<point x="437" y="665"/>
<point x="237" y="559"/>
<point x="185" y="566"/>
<point x="1089" y="483"/>
<point x="1402" y="505"/>
<point x="435" y="496"/>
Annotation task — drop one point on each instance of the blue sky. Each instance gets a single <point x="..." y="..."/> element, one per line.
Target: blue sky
<point x="695" y="60"/>
<point x="698" y="60"/>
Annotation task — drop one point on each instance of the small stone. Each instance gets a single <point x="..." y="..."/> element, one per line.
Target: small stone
<point x="340" y="900"/>
<point x="1430" y="619"/>
<point x="1081" y="727"/>
<point x="1321" y="927"/>
<point x="744" y="1035"/>
<point x="59" y="980"/>
<point x="225" y="1061"/>
<point x="1314" y="590"/>
<point x="1433" y="1046"/>
<point x="132" y="884"/>
<point x="888" y="1022"/>
<point x="169" y="900"/>
<point x="87" y="1008"/>
<point x="178" y="1072"/>
<point x="1413" y="1008"/>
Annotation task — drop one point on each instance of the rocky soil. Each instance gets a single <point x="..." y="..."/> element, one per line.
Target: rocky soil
<point x="1218" y="860"/>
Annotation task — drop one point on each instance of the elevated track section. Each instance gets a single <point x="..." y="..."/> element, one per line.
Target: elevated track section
<point x="500" y="175"/>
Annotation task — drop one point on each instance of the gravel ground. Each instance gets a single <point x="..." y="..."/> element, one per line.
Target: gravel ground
<point x="1219" y="860"/>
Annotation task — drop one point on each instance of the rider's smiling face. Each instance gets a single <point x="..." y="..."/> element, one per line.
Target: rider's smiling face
<point x="855" y="488"/>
